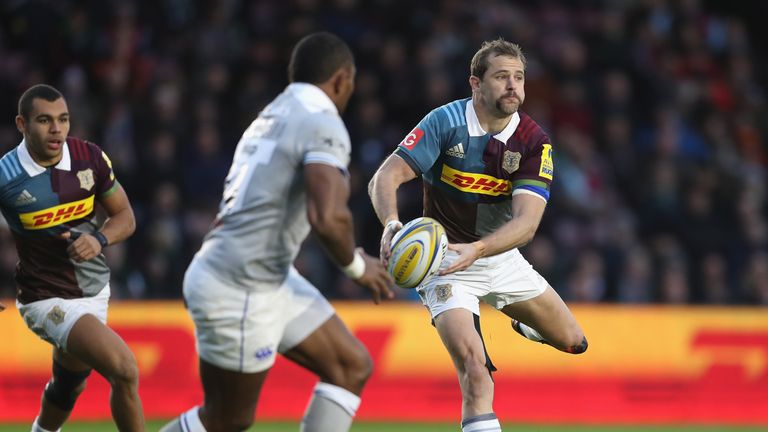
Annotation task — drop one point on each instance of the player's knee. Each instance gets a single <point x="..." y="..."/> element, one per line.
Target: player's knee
<point x="579" y="347"/>
<point x="475" y="368"/>
<point x="350" y="371"/>
<point x="124" y="371"/>
<point x="128" y="372"/>
<point x="571" y="341"/>
<point x="355" y="369"/>
<point x="475" y="378"/>
<point x="64" y="388"/>
<point x="361" y="367"/>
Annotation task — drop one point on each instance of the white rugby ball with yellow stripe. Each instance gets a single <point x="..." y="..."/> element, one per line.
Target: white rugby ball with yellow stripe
<point x="417" y="250"/>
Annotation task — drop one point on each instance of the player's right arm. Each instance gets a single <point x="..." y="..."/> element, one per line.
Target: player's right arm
<point x="383" y="192"/>
<point x="415" y="154"/>
<point x="328" y="213"/>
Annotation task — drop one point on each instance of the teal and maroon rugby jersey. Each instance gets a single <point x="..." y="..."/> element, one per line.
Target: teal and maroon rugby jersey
<point x="469" y="175"/>
<point x="40" y="203"/>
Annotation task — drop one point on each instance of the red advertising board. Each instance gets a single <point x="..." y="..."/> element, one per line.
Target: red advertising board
<point x="644" y="365"/>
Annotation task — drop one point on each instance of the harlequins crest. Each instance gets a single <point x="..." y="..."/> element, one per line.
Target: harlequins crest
<point x="443" y="292"/>
<point x="511" y="161"/>
<point x="56" y="315"/>
<point x="86" y="179"/>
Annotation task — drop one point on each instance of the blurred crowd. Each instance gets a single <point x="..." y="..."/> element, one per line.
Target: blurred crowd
<point x="656" y="109"/>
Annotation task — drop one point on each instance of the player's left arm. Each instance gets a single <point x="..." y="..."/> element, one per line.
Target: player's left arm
<point x="529" y="199"/>
<point x="527" y="211"/>
<point x="120" y="225"/>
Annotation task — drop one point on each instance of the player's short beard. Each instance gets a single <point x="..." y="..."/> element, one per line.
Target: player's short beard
<point x="506" y="109"/>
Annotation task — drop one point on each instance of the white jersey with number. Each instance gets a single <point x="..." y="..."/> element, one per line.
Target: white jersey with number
<point x="262" y="218"/>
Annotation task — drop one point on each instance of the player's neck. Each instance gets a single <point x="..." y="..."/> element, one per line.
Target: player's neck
<point x="43" y="161"/>
<point x="490" y="123"/>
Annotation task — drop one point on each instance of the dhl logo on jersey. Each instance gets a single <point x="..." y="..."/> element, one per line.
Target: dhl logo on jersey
<point x="57" y="215"/>
<point x="475" y="183"/>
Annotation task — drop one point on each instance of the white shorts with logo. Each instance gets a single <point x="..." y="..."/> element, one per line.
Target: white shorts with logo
<point x="243" y="331"/>
<point x="52" y="319"/>
<point x="498" y="280"/>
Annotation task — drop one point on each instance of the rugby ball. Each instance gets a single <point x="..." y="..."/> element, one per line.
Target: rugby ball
<point x="417" y="251"/>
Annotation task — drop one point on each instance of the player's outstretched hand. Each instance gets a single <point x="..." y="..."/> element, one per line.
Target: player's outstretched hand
<point x="390" y="230"/>
<point x="376" y="278"/>
<point x="467" y="254"/>
<point x="81" y="247"/>
<point x="2" y="307"/>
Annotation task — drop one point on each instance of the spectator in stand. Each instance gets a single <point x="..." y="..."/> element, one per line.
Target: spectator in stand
<point x="655" y="89"/>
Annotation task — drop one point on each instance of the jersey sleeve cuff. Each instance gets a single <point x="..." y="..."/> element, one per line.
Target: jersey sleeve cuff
<point x="532" y="190"/>
<point x="409" y="160"/>
<point x="110" y="191"/>
<point x="325" y="159"/>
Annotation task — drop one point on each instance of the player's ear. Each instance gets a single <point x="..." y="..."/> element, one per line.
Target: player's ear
<point x="474" y="83"/>
<point x="21" y="125"/>
<point x="340" y="79"/>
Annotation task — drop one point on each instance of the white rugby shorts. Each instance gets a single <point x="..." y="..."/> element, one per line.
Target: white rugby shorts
<point x="243" y="331"/>
<point x="498" y="280"/>
<point x="52" y="319"/>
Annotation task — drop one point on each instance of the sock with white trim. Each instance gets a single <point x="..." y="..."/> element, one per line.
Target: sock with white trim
<point x="481" y="423"/>
<point x="531" y="333"/>
<point x="187" y="422"/>
<point x="331" y="409"/>
<point x="37" y="428"/>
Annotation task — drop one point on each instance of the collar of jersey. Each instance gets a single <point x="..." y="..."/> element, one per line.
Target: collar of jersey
<point x="313" y="99"/>
<point x="475" y="130"/>
<point x="33" y="168"/>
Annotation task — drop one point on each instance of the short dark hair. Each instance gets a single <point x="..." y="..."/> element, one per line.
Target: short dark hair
<point x="479" y="64"/>
<point x="38" y="91"/>
<point x="317" y="57"/>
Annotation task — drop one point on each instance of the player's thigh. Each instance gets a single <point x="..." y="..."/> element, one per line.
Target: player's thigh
<point x="549" y="315"/>
<point x="523" y="294"/>
<point x="334" y="354"/>
<point x="452" y="301"/>
<point x="98" y="346"/>
<point x="456" y="328"/>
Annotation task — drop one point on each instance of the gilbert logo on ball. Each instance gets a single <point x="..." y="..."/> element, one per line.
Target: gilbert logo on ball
<point x="417" y="252"/>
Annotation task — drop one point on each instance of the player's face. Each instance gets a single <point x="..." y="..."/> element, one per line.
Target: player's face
<point x="46" y="130"/>
<point x="502" y="89"/>
<point x="347" y="87"/>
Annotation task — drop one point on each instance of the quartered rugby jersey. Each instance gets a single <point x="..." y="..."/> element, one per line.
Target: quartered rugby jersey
<point x="470" y="175"/>
<point x="39" y="203"/>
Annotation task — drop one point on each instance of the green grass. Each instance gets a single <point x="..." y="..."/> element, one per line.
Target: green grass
<point x="411" y="427"/>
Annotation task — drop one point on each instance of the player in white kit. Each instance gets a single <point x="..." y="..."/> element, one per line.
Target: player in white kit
<point x="248" y="302"/>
